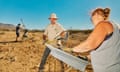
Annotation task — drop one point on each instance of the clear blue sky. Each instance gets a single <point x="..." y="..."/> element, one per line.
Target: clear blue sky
<point x="71" y="13"/>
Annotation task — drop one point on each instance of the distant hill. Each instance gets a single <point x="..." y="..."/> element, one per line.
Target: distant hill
<point x="4" y="26"/>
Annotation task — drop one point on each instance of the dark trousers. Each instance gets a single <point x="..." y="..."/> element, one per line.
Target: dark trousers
<point x="44" y="58"/>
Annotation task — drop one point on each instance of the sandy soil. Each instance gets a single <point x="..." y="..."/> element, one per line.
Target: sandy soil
<point x="25" y="55"/>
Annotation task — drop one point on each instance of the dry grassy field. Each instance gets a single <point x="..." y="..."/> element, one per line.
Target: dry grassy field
<point x="25" y="55"/>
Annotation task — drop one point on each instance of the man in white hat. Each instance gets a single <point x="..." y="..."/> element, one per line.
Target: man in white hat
<point x="54" y="30"/>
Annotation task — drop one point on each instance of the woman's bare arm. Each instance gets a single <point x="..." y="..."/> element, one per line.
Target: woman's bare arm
<point x="95" y="39"/>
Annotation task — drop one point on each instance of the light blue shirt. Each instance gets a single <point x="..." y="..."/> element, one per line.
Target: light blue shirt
<point x="106" y="58"/>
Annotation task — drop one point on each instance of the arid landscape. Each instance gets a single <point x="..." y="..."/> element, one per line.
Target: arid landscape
<point x="25" y="55"/>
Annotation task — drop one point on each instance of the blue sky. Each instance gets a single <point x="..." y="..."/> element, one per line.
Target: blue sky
<point x="71" y="13"/>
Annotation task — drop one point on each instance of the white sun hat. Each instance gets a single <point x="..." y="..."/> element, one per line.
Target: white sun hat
<point x="53" y="15"/>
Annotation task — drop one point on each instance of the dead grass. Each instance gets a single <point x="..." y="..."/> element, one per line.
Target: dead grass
<point x="25" y="55"/>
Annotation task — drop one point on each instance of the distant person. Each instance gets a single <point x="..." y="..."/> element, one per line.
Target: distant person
<point x="25" y="31"/>
<point x="17" y="32"/>
<point x="54" y="30"/>
<point x="103" y="43"/>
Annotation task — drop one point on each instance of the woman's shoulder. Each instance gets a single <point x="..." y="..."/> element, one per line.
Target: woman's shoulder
<point x="105" y="24"/>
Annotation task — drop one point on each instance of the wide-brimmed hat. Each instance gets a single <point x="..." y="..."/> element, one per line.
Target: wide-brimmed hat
<point x="53" y="15"/>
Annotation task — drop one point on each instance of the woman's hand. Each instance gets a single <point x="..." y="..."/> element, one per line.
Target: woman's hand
<point x="67" y="49"/>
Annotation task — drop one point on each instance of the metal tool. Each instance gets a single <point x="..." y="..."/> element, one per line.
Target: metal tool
<point x="67" y="58"/>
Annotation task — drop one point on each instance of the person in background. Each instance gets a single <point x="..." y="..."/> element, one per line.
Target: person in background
<point x="17" y="32"/>
<point x="54" y="31"/>
<point x="25" y="31"/>
<point x="103" y="43"/>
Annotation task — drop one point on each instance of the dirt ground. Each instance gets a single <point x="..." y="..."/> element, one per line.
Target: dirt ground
<point x="25" y="55"/>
